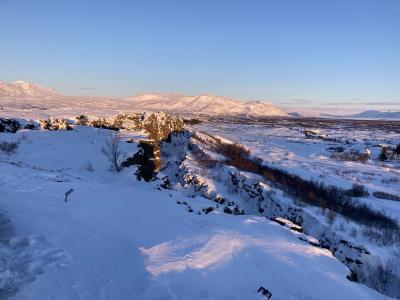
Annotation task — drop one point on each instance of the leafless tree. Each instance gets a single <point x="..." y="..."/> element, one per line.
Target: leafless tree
<point x="112" y="152"/>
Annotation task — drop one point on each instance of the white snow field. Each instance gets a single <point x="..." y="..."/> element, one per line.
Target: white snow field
<point x="119" y="238"/>
<point x="286" y="146"/>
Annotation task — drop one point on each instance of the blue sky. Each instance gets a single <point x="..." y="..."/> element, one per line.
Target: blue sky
<point x="301" y="51"/>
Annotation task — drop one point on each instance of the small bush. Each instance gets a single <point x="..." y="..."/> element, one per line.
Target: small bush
<point x="383" y="156"/>
<point x="166" y="184"/>
<point x="227" y="210"/>
<point x="386" y="196"/>
<point x="351" y="156"/>
<point x="129" y="122"/>
<point x="55" y="124"/>
<point x="45" y="124"/>
<point x="102" y="123"/>
<point x="380" y="236"/>
<point x="236" y="155"/>
<point x="88" y="166"/>
<point x="82" y="120"/>
<point x="9" y="147"/>
<point x="397" y="150"/>
<point x="357" y="190"/>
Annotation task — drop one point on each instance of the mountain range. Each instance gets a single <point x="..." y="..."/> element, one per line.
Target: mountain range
<point x="206" y="105"/>
<point x="376" y="114"/>
<point x="20" y="96"/>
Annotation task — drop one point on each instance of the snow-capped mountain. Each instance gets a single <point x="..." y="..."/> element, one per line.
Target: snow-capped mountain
<point x="376" y="114"/>
<point x="25" y="89"/>
<point x="204" y="105"/>
<point x="369" y="114"/>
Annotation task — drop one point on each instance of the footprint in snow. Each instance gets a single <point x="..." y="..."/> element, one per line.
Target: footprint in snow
<point x="22" y="259"/>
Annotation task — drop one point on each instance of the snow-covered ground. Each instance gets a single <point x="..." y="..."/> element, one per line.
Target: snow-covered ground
<point x="118" y="238"/>
<point x="288" y="148"/>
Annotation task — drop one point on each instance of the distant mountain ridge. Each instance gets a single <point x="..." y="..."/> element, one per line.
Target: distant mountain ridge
<point x="204" y="105"/>
<point x="25" y="89"/>
<point x="45" y="100"/>
<point x="369" y="114"/>
<point x="376" y="114"/>
<point x="173" y="103"/>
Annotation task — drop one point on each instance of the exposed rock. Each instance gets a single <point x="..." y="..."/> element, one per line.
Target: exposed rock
<point x="13" y="125"/>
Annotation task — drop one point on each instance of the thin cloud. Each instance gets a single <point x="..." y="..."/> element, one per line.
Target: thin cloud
<point x="363" y="103"/>
<point x="299" y="101"/>
<point x="87" y="88"/>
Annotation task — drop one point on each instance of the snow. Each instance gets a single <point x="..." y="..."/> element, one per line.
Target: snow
<point x="287" y="148"/>
<point x="23" y="99"/>
<point x="283" y="145"/>
<point x="204" y="105"/>
<point x="117" y="238"/>
<point x="29" y="100"/>
<point x="25" y="89"/>
<point x="376" y="114"/>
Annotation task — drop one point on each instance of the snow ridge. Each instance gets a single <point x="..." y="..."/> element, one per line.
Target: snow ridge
<point x="25" y="89"/>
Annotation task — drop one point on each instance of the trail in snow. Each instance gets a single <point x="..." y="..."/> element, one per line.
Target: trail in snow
<point x="23" y="258"/>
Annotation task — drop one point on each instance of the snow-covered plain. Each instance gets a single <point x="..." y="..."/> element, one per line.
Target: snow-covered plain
<point x="312" y="149"/>
<point x="118" y="238"/>
<point x="287" y="147"/>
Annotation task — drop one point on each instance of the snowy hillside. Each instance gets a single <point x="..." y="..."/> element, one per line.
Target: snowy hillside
<point x="204" y="105"/>
<point x="25" y="89"/>
<point x="119" y="238"/>
<point x="24" y="99"/>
